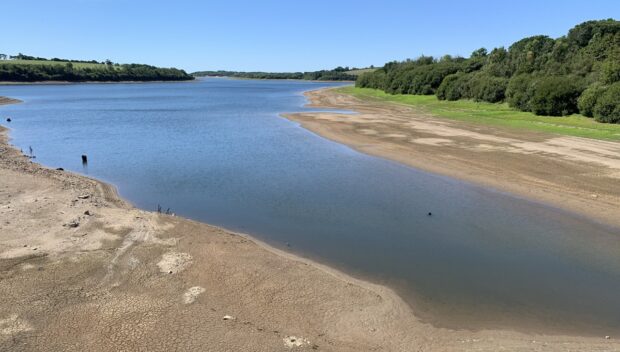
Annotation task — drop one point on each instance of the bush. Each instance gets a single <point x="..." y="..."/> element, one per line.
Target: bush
<point x="519" y="92"/>
<point x="607" y="108"/>
<point x="488" y="88"/>
<point x="588" y="98"/>
<point x="376" y="79"/>
<point x="450" y="88"/>
<point x="555" y="96"/>
<point x="610" y="70"/>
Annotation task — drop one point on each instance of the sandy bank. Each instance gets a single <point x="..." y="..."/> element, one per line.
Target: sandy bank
<point x="5" y="100"/>
<point x="577" y="174"/>
<point x="82" y="270"/>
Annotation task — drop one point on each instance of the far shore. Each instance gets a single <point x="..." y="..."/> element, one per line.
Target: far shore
<point x="576" y="174"/>
<point x="84" y="270"/>
<point x="9" y="83"/>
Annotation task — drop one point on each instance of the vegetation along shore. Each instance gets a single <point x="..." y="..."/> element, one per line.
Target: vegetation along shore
<point x="576" y="73"/>
<point x="24" y="68"/>
<point x="337" y="74"/>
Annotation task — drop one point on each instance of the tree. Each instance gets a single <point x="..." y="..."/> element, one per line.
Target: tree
<point x="610" y="70"/>
<point x="607" y="108"/>
<point x="555" y="96"/>
<point x="451" y="88"/>
<point x="482" y="52"/>
<point x="519" y="91"/>
<point x="484" y="87"/>
<point x="588" y="99"/>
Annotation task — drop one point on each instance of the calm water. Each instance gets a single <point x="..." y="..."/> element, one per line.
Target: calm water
<point x="217" y="151"/>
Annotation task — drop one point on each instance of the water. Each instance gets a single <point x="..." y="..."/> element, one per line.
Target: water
<point x="217" y="151"/>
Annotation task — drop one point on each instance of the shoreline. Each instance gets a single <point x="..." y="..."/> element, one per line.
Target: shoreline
<point x="465" y="152"/>
<point x="54" y="83"/>
<point x="273" y="295"/>
<point x="273" y="79"/>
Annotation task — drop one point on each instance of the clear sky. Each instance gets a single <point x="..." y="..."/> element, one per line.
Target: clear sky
<point x="280" y="35"/>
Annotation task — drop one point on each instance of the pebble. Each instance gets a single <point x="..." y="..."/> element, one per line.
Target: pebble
<point x="73" y="224"/>
<point x="228" y="317"/>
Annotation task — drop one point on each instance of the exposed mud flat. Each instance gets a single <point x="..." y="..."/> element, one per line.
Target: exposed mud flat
<point x="578" y="174"/>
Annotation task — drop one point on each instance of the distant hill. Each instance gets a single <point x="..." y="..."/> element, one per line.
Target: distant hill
<point x="24" y="68"/>
<point x="576" y="73"/>
<point x="337" y="74"/>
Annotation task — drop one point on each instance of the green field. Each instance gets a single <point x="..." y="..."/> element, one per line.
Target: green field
<point x="360" y="71"/>
<point x="49" y="62"/>
<point x="494" y="114"/>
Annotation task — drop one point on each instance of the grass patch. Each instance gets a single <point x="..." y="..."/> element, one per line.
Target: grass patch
<point x="494" y="114"/>
<point x="49" y="62"/>
<point x="360" y="71"/>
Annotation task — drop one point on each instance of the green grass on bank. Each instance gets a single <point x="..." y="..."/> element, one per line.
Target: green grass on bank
<point x="494" y="114"/>
<point x="50" y="62"/>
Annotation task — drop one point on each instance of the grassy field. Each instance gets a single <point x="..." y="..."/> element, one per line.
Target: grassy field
<point x="495" y="114"/>
<point x="360" y="71"/>
<point x="48" y="62"/>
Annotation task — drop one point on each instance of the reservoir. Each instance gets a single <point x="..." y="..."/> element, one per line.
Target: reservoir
<point x="216" y="150"/>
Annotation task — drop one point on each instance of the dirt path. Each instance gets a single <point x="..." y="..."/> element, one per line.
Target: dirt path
<point x="81" y="270"/>
<point x="578" y="174"/>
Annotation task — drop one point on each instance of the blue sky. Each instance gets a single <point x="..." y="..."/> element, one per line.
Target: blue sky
<point x="270" y="35"/>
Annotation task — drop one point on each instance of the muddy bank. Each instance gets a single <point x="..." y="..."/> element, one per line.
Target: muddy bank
<point x="577" y="174"/>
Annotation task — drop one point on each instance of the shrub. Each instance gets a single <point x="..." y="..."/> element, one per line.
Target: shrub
<point x="610" y="70"/>
<point x="588" y="98"/>
<point x="607" y="108"/>
<point x="488" y="88"/>
<point x="555" y="96"/>
<point x="449" y="89"/>
<point x="519" y="92"/>
<point x="376" y="80"/>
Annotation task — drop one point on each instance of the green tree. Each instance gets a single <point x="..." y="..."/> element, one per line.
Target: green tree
<point x="610" y="70"/>
<point x="482" y="52"/>
<point x="588" y="98"/>
<point x="555" y="96"/>
<point x="607" y="108"/>
<point x="519" y="91"/>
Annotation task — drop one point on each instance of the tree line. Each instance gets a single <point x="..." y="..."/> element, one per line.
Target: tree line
<point x="576" y="73"/>
<point x="337" y="74"/>
<point x="21" y="56"/>
<point x="67" y="71"/>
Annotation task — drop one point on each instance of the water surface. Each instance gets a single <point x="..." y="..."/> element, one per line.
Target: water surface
<point x="217" y="151"/>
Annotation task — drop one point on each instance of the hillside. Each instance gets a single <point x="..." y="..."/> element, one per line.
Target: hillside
<point x="23" y="68"/>
<point x="576" y="73"/>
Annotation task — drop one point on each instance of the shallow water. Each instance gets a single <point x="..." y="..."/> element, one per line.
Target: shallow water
<point x="217" y="151"/>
